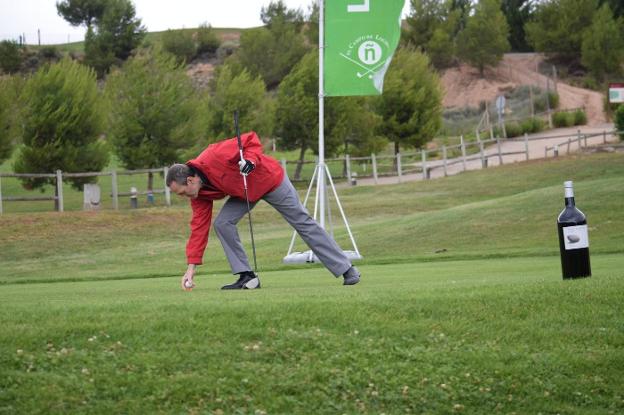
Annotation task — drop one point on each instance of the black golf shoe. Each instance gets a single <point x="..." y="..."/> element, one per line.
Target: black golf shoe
<point x="351" y="277"/>
<point x="246" y="281"/>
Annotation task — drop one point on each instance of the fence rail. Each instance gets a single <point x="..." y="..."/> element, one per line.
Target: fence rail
<point x="350" y="168"/>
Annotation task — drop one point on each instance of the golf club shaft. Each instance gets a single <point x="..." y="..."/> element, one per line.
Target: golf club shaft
<point x="240" y="151"/>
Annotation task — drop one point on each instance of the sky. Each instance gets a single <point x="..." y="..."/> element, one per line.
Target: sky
<point x="26" y="17"/>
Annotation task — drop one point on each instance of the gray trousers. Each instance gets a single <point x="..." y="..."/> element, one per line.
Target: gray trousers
<point x="286" y="201"/>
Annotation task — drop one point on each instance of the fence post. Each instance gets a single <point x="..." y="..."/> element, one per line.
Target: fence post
<point x="115" y="191"/>
<point x="59" y="190"/>
<point x="500" y="153"/>
<point x="0" y="195"/>
<point x="578" y="137"/>
<point x="569" y="142"/>
<point x="398" y="156"/>
<point x="374" y="160"/>
<point x="483" y="160"/>
<point x="444" y="160"/>
<point x="526" y="145"/>
<point x="491" y="132"/>
<point x="463" y="151"/>
<point x="167" y="190"/>
<point x="604" y="137"/>
<point x="423" y="157"/>
<point x="556" y="150"/>
<point x="348" y="163"/>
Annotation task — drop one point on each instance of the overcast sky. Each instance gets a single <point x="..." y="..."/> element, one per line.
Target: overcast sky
<point x="27" y="16"/>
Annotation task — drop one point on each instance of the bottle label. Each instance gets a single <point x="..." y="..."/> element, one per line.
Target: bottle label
<point x="575" y="237"/>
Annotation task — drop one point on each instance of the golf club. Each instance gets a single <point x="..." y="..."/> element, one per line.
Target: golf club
<point x="240" y="150"/>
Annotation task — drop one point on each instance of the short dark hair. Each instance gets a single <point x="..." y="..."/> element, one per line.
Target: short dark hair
<point x="178" y="173"/>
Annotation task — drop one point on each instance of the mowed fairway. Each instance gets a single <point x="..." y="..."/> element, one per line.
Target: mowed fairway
<point x="461" y="308"/>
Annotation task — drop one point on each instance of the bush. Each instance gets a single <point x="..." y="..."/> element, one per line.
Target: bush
<point x="10" y="58"/>
<point x="553" y="99"/>
<point x="180" y="44"/>
<point x="207" y="40"/>
<point x="513" y="129"/>
<point x="563" y="119"/>
<point x="619" y="120"/>
<point x="532" y="125"/>
<point x="580" y="118"/>
<point x="50" y="53"/>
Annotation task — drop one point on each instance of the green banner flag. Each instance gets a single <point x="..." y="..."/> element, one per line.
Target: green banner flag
<point x="360" y="39"/>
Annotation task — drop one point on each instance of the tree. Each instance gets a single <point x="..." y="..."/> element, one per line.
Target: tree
<point x="10" y="58"/>
<point x="518" y="13"/>
<point x="484" y="40"/>
<point x="441" y="48"/>
<point x="411" y="103"/>
<point x="153" y="109"/>
<point x="349" y="123"/>
<point x="81" y="12"/>
<point x="244" y="93"/>
<point x="180" y="44"/>
<point x="558" y="27"/>
<point x="424" y="18"/>
<point x="8" y="97"/>
<point x="207" y="39"/>
<point x="61" y="124"/>
<point x="277" y="12"/>
<point x="113" y="31"/>
<point x="271" y="52"/>
<point x="603" y="44"/>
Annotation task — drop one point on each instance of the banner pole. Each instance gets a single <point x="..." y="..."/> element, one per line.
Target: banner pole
<point x="321" y="148"/>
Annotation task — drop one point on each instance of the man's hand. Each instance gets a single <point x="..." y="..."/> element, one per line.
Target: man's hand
<point x="246" y="166"/>
<point x="187" y="278"/>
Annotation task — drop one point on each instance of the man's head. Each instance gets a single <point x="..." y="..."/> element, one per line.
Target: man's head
<point x="183" y="181"/>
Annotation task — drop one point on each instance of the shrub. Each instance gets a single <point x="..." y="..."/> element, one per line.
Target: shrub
<point x="207" y="40"/>
<point x="532" y="125"/>
<point x="619" y="120"/>
<point x="580" y="118"/>
<point x="10" y="58"/>
<point x="553" y="99"/>
<point x="513" y="129"/>
<point x="50" y="53"/>
<point x="180" y="44"/>
<point x="563" y="119"/>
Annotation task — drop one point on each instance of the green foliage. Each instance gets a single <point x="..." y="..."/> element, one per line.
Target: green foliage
<point x="411" y="104"/>
<point x="603" y="44"/>
<point x="425" y="17"/>
<point x="563" y="119"/>
<point x="558" y="26"/>
<point x="244" y="93"/>
<point x="271" y="52"/>
<point x="8" y="98"/>
<point x="207" y="40"/>
<point x="61" y="123"/>
<point x="10" y="57"/>
<point x="278" y="12"/>
<point x="531" y="126"/>
<point x="580" y="117"/>
<point x="81" y="12"/>
<point x="619" y="120"/>
<point x="441" y="49"/>
<point x="180" y="44"/>
<point x="118" y="32"/>
<point x="513" y="129"/>
<point x="484" y="40"/>
<point x="518" y="13"/>
<point x="153" y="109"/>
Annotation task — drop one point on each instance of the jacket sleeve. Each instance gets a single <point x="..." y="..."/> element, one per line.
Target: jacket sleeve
<point x="252" y="148"/>
<point x="200" y="228"/>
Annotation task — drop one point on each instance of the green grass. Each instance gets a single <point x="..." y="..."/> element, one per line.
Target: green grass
<point x="461" y="308"/>
<point x="484" y="336"/>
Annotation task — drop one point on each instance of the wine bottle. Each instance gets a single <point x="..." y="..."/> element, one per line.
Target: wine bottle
<point x="573" y="238"/>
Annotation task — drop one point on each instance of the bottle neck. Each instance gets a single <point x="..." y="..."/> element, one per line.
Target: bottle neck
<point x="569" y="201"/>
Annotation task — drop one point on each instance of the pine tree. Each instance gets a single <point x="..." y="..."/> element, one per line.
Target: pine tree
<point x="484" y="40"/>
<point x="61" y="123"/>
<point x="603" y="44"/>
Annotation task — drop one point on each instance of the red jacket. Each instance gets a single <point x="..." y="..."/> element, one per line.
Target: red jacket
<point x="219" y="163"/>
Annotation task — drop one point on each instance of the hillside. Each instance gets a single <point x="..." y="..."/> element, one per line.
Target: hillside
<point x="465" y="88"/>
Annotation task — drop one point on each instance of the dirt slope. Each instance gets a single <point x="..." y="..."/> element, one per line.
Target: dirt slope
<point x="464" y="87"/>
